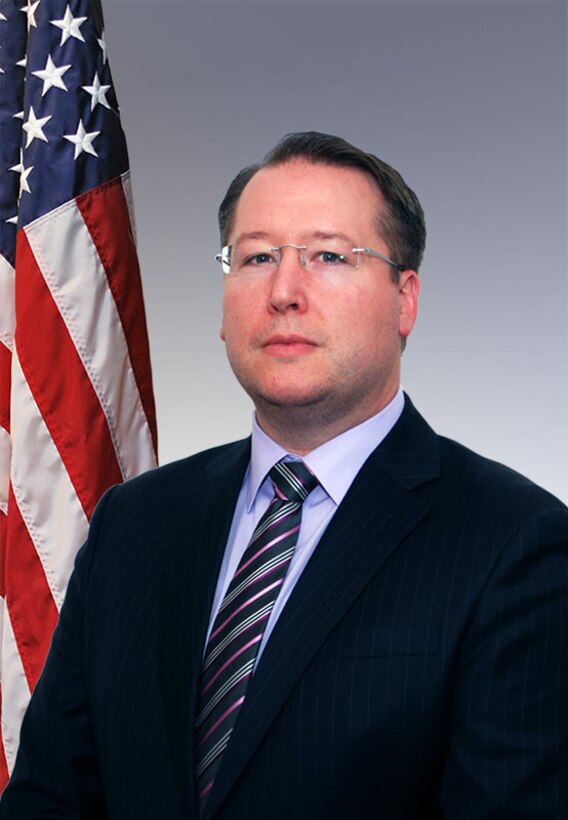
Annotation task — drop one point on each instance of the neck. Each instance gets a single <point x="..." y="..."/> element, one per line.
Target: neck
<point x="302" y="429"/>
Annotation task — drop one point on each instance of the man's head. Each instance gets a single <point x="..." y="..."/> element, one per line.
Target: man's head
<point x="314" y="312"/>
<point x="401" y="222"/>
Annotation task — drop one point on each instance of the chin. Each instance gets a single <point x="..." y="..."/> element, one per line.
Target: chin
<point x="292" y="395"/>
<point x="290" y="399"/>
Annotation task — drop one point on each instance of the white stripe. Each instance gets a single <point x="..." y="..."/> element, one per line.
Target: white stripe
<point x="43" y="490"/>
<point x="275" y="561"/>
<point x="235" y="678"/>
<point x="15" y="691"/>
<point x="127" y="188"/>
<point x="76" y="278"/>
<point x="292" y="479"/>
<point x="215" y="751"/>
<point x="5" y="450"/>
<point x="7" y="320"/>
<point x="266" y="609"/>
<point x="287" y="509"/>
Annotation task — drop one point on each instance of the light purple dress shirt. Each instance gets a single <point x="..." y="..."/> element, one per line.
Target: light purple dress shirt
<point x="335" y="463"/>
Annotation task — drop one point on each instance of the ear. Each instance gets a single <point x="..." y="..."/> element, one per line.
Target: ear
<point x="409" y="289"/>
<point x="222" y="332"/>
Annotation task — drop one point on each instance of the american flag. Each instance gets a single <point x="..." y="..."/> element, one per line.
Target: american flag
<point x="76" y="405"/>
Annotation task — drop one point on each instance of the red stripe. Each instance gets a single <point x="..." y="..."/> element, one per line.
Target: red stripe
<point x="5" y="379"/>
<point x="61" y="386"/>
<point x="33" y="613"/>
<point x="3" y="763"/>
<point x="3" y="530"/>
<point x="106" y="216"/>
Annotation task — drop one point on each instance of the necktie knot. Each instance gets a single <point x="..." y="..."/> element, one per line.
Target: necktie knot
<point x="292" y="480"/>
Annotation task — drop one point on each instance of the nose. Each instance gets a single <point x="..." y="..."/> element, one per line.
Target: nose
<point x="288" y="282"/>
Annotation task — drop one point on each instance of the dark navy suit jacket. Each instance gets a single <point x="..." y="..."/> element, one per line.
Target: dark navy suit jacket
<point x="419" y="669"/>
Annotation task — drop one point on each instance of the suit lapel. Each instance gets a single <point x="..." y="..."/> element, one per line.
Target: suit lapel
<point x="377" y="513"/>
<point x="191" y="569"/>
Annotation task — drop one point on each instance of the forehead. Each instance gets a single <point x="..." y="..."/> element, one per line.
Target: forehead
<point x="303" y="197"/>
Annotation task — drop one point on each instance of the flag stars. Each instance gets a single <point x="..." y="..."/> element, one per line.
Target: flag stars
<point x="30" y="10"/>
<point x="70" y="26"/>
<point x="24" y="174"/>
<point x="102" y="45"/>
<point x="34" y="127"/>
<point x="83" y="140"/>
<point x="52" y="76"/>
<point x="98" y="92"/>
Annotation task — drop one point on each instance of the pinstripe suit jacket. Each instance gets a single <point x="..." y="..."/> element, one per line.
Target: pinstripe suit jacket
<point x="419" y="670"/>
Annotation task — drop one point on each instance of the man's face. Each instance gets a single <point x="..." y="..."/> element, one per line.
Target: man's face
<point x="299" y="342"/>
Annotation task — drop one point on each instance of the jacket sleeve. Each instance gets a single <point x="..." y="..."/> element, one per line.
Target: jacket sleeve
<point x="508" y="746"/>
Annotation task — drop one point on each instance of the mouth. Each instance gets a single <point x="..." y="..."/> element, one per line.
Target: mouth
<point x="288" y="345"/>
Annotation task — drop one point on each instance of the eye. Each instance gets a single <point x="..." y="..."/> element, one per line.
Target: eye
<point x="330" y="258"/>
<point x="260" y="258"/>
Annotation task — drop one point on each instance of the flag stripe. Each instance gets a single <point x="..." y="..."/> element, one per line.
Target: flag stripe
<point x="54" y="516"/>
<point x="110" y="205"/>
<point x="6" y="345"/>
<point x="5" y="367"/>
<point x="7" y="319"/>
<point x="5" y="453"/>
<point x="78" y="284"/>
<point x="33" y="613"/>
<point x="15" y="691"/>
<point x="4" y="773"/>
<point x="3" y="526"/>
<point x="65" y="387"/>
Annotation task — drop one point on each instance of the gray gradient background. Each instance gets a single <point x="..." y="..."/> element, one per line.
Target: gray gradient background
<point x="468" y="99"/>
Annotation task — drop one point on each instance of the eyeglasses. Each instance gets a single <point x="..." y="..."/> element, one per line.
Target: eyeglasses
<point x="335" y="256"/>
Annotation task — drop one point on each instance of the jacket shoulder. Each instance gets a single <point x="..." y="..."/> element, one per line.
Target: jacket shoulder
<point x="191" y="467"/>
<point x="188" y="477"/>
<point x="480" y="483"/>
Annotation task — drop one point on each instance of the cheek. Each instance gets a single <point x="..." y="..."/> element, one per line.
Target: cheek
<point x="242" y="301"/>
<point x="234" y="310"/>
<point x="363" y="314"/>
<point x="368" y="329"/>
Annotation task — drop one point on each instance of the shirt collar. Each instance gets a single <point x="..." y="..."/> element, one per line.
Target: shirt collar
<point x="335" y="463"/>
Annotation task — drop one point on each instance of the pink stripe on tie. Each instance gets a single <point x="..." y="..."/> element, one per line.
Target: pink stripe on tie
<point x="206" y="790"/>
<point x="231" y="659"/>
<point x="232" y="708"/>
<point x="242" y="606"/>
<point x="279" y="492"/>
<point x="267" y="572"/>
<point x="275" y="541"/>
<point x="239" y="634"/>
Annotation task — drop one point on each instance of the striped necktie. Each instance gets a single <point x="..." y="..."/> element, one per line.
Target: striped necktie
<point x="240" y="623"/>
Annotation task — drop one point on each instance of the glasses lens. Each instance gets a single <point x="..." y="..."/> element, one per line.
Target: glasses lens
<point x="322" y="257"/>
<point x="331" y="256"/>
<point x="251" y="256"/>
<point x="224" y="258"/>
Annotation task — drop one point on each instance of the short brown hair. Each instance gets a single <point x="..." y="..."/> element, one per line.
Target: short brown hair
<point x="402" y="223"/>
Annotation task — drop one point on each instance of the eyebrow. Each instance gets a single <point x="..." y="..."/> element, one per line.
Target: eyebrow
<point x="331" y="235"/>
<point x="324" y="235"/>
<point x="250" y="235"/>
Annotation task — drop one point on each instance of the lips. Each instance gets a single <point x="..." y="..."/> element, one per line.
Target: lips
<point x="288" y="345"/>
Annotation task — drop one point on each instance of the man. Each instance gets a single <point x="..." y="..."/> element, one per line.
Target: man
<point x="378" y="628"/>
